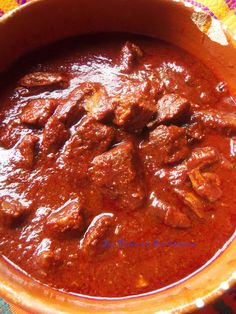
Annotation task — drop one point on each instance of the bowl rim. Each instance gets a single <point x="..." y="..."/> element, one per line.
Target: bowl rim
<point x="195" y="304"/>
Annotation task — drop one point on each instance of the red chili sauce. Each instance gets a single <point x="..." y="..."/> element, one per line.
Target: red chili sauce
<point x="117" y="165"/>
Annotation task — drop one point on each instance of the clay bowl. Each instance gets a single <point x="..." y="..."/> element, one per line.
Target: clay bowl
<point x="35" y="25"/>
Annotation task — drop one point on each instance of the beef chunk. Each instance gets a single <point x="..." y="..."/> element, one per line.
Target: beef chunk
<point x="195" y="132"/>
<point x="166" y="145"/>
<point x="206" y="185"/>
<point x="172" y="108"/>
<point x="38" y="111"/>
<point x="66" y="218"/>
<point x="27" y="149"/>
<point x="170" y="215"/>
<point x="45" y="262"/>
<point x="136" y="107"/>
<point x="216" y="119"/>
<point x="133" y="113"/>
<point x="54" y="135"/>
<point x="99" y="105"/>
<point x="225" y="163"/>
<point x="175" y="218"/>
<point x="90" y="97"/>
<point x="192" y="201"/>
<point x="7" y="139"/>
<point x="96" y="232"/>
<point x="47" y="257"/>
<point x="90" y="139"/>
<point x="39" y="80"/>
<point x="72" y="109"/>
<point x="202" y="158"/>
<point x="152" y="88"/>
<point x="11" y="211"/>
<point x="130" y="55"/>
<point x="116" y="173"/>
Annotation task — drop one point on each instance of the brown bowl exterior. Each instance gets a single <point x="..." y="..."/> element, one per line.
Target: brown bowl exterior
<point x="41" y="22"/>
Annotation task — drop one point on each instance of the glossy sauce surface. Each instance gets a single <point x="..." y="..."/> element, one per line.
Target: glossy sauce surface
<point x="106" y="203"/>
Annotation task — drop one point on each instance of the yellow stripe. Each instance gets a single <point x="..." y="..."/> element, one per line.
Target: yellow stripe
<point x="7" y="5"/>
<point x="222" y="12"/>
<point x="218" y="7"/>
<point x="230" y="22"/>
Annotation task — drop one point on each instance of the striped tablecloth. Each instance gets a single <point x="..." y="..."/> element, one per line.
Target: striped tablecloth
<point x="225" y="11"/>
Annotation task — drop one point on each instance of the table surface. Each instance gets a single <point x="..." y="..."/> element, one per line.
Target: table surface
<point x="225" y="11"/>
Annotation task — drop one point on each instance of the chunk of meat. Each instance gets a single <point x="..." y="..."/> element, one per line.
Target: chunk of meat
<point x="90" y="139"/>
<point x="11" y="211"/>
<point x="66" y="218"/>
<point x="172" y="108"/>
<point x="8" y="141"/>
<point x="55" y="135"/>
<point x="116" y="174"/>
<point x="99" y="105"/>
<point x="225" y="163"/>
<point x="39" y="80"/>
<point x="46" y="260"/>
<point x="166" y="145"/>
<point x="90" y="97"/>
<point x="170" y="215"/>
<point x="195" y="132"/>
<point x="192" y="201"/>
<point x="202" y="158"/>
<point x="206" y="185"/>
<point x="27" y="148"/>
<point x="153" y="88"/>
<point x="47" y="257"/>
<point x="72" y="109"/>
<point x="96" y="232"/>
<point x="38" y="111"/>
<point x="133" y="114"/>
<point x="136" y="106"/>
<point x="216" y="119"/>
<point x="130" y="56"/>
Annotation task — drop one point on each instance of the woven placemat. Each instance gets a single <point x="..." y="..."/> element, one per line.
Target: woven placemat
<point x="225" y="11"/>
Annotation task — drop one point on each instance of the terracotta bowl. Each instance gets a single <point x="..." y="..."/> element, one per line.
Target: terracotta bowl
<point x="44" y="21"/>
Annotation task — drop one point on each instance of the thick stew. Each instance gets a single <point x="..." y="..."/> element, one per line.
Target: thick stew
<point x="117" y="165"/>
